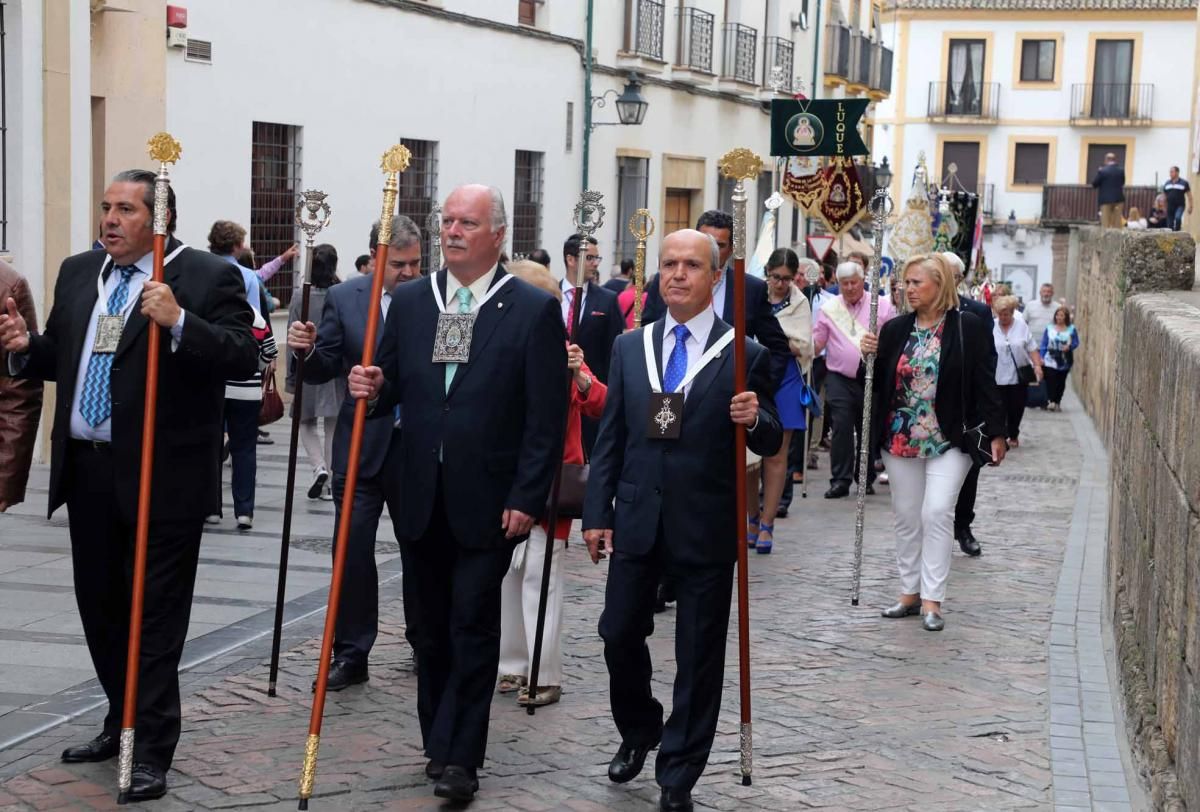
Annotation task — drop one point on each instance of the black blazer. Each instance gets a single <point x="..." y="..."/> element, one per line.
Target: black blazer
<point x="979" y="395"/>
<point x="1110" y="182"/>
<point x="499" y="429"/>
<point x="761" y="324"/>
<point x="216" y="346"/>
<point x="339" y="347"/>
<point x="687" y="484"/>
<point x="599" y="326"/>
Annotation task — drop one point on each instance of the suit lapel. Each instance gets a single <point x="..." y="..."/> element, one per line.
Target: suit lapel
<point x="726" y="315"/>
<point x="364" y="309"/>
<point x="136" y="323"/>
<point x="657" y="331"/>
<point x="81" y="316"/>
<point x="487" y="319"/>
<point x="708" y="374"/>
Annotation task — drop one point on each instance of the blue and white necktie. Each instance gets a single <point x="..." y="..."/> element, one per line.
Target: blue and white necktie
<point x="96" y="398"/>
<point x="678" y="362"/>
<point x="464" y="306"/>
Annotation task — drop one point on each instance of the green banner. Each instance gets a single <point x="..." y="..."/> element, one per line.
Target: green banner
<point x="817" y="127"/>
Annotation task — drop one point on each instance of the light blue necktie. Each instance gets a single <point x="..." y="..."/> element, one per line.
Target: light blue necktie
<point x="96" y="398"/>
<point x="678" y="362"/>
<point x="464" y="306"/>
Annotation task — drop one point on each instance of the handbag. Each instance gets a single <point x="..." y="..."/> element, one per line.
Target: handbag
<point x="571" y="489"/>
<point x="975" y="443"/>
<point x="1025" y="373"/>
<point x="272" y="404"/>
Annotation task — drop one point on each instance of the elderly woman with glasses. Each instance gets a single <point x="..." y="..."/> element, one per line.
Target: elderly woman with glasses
<point x="791" y="309"/>
<point x="936" y="382"/>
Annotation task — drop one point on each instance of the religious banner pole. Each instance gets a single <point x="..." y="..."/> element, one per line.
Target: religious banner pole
<point x="395" y="161"/>
<point x="312" y="215"/>
<point x="641" y="226"/>
<point x="881" y="207"/>
<point x="589" y="216"/>
<point x="740" y="165"/>
<point x="164" y="150"/>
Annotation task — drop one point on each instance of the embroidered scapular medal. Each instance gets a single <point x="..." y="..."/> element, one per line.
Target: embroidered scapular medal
<point x="452" y="342"/>
<point x="666" y="416"/>
<point x="108" y="334"/>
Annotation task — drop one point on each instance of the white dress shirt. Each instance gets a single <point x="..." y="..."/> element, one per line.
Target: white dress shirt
<point x="1012" y="348"/>
<point x="699" y="327"/>
<point x="478" y="288"/>
<point x="385" y="301"/>
<point x="568" y="295"/>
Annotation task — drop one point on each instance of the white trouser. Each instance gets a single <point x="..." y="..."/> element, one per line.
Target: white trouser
<point x="519" y="596"/>
<point x="319" y="451"/>
<point x="924" y="492"/>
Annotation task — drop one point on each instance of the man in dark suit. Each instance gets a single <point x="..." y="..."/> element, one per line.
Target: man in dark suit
<point x="675" y="513"/>
<point x="201" y="312"/>
<point x="482" y="440"/>
<point x="623" y="278"/>
<point x="1110" y="186"/>
<point x="600" y="322"/>
<point x="331" y="351"/>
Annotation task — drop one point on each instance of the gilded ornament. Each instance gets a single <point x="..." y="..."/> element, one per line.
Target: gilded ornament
<point x="164" y="149"/>
<point x="641" y="224"/>
<point x="740" y="164"/>
<point x="396" y="159"/>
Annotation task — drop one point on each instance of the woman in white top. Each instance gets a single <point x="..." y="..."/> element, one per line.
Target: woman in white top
<point x="1018" y="363"/>
<point x="1136" y="221"/>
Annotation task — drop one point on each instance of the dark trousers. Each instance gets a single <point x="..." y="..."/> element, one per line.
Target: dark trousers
<point x="102" y="561"/>
<point x="1056" y="383"/>
<point x="701" y="626"/>
<point x="452" y="605"/>
<point x="1012" y="397"/>
<point x="241" y="424"/>
<point x="844" y="398"/>
<point x="964" y="509"/>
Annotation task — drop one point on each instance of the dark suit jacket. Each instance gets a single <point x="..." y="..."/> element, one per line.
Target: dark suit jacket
<point x="216" y="346"/>
<point x="686" y="484"/>
<point x="761" y="324"/>
<point x="500" y="426"/>
<point x="1110" y="181"/>
<point x="599" y="326"/>
<point x="616" y="284"/>
<point x="977" y="398"/>
<point x="339" y="347"/>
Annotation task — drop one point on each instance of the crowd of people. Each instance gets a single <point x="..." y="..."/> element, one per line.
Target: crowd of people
<point x="462" y="446"/>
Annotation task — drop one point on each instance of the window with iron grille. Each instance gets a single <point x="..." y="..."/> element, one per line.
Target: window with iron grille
<point x="633" y="189"/>
<point x="3" y="136"/>
<point x="1031" y="163"/>
<point x="274" y="189"/>
<point x="418" y="191"/>
<point x="741" y="44"/>
<point x="527" y="202"/>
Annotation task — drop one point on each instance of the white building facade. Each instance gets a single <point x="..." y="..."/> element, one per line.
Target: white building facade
<point x="1024" y="98"/>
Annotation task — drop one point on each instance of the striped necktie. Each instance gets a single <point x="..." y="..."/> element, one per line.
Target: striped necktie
<point x="96" y="398"/>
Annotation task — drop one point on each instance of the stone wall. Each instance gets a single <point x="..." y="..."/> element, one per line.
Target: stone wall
<point x="1138" y="373"/>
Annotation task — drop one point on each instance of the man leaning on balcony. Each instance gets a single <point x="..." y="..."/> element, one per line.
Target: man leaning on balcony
<point x="1110" y="182"/>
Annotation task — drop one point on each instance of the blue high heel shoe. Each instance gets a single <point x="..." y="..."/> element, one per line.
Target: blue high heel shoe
<point x="764" y="545"/>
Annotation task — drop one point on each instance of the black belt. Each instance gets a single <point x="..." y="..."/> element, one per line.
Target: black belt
<point x="93" y="446"/>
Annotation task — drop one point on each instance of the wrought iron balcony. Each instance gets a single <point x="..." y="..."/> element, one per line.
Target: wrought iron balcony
<point x="1107" y="105"/>
<point x="837" y="51"/>
<point x="978" y="101"/>
<point x="1078" y="204"/>
<point x="881" y="74"/>
<point x="862" y="55"/>
<point x="644" y="28"/>
<point x="739" y="57"/>
<point x="695" y="50"/>
<point x="777" y="53"/>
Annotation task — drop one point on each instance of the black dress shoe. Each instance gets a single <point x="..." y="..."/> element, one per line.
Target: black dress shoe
<point x="968" y="544"/>
<point x="101" y="748"/>
<point x="149" y="782"/>
<point x="434" y="769"/>
<point x="457" y="784"/>
<point x="675" y="799"/>
<point x="343" y="675"/>
<point x="837" y="492"/>
<point x="902" y="610"/>
<point x="629" y="760"/>
<point x="870" y="490"/>
<point x="664" y="595"/>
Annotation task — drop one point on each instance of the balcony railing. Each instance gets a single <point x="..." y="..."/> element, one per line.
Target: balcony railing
<point x="695" y="40"/>
<point x="862" y="54"/>
<point x="1064" y="205"/>
<point x="777" y="53"/>
<point x="1107" y="104"/>
<point x="837" y="51"/>
<point x="987" y="199"/>
<point x="975" y="100"/>
<point x="644" y="28"/>
<point x="881" y="75"/>
<point x="738" y="60"/>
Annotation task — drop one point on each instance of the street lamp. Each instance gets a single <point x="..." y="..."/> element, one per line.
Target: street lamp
<point x="631" y="105"/>
<point x="1010" y="228"/>
<point x="883" y="175"/>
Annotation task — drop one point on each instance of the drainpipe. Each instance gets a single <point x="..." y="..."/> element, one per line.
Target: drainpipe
<point x="587" y="95"/>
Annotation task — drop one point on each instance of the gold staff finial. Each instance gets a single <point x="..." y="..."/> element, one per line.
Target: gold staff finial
<point x="641" y="226"/>
<point x="394" y="161"/>
<point x="740" y="165"/>
<point x="164" y="149"/>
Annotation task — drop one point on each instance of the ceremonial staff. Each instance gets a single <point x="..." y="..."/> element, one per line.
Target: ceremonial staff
<point x="312" y="215"/>
<point x="395" y="161"/>
<point x="589" y="216"/>
<point x="165" y="150"/>
<point x="740" y="165"/>
<point x="881" y="207"/>
<point x="433" y="224"/>
<point x="641" y="226"/>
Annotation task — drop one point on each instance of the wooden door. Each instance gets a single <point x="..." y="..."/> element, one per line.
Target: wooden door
<point x="678" y="212"/>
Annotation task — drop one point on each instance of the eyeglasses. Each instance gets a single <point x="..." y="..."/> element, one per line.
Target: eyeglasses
<point x="594" y="259"/>
<point x="774" y="277"/>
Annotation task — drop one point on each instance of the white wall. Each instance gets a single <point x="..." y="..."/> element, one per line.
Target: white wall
<point x="26" y="178"/>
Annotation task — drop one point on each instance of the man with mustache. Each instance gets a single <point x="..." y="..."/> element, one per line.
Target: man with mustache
<point x="329" y="353"/>
<point x="476" y="361"/>
<point x="94" y="347"/>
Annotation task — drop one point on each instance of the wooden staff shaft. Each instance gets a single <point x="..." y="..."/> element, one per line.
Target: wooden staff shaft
<point x="739" y="450"/>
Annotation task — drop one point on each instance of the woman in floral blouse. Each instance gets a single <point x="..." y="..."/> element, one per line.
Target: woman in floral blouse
<point x="935" y="379"/>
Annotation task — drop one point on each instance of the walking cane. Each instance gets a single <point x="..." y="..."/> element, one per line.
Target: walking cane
<point x="312" y="215"/>
<point x="641" y="226"/>
<point x="164" y="150"/>
<point x="589" y="216"/>
<point x="395" y="161"/>
<point x="881" y="207"/>
<point x="740" y="165"/>
<point x="808" y="418"/>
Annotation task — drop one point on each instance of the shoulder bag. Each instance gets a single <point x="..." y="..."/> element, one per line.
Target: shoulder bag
<point x="975" y="443"/>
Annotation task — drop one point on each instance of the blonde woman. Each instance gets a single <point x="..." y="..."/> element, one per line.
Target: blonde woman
<point x="936" y="381"/>
<point x="1018" y="364"/>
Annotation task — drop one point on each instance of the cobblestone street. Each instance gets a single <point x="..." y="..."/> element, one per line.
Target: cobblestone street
<point x="1008" y="708"/>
